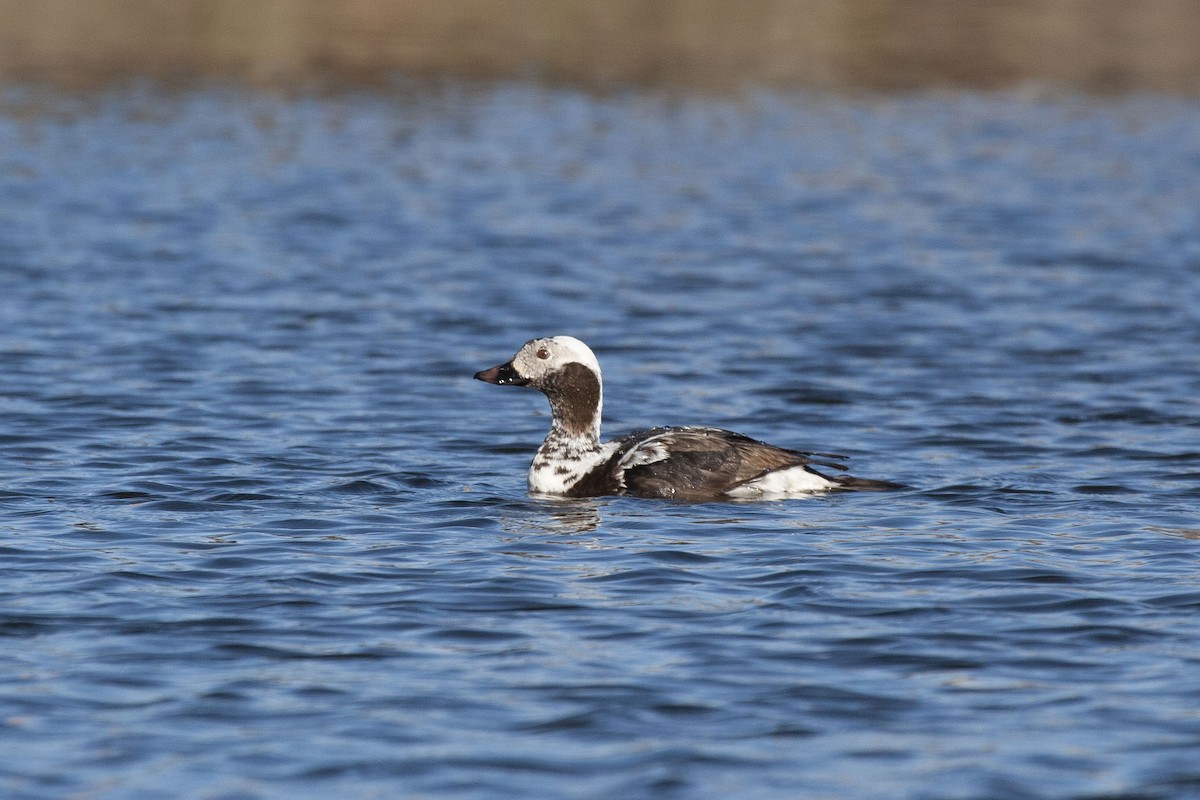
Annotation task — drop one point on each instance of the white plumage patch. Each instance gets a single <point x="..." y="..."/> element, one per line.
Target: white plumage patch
<point x="782" y="484"/>
<point x="558" y="467"/>
<point x="648" y="452"/>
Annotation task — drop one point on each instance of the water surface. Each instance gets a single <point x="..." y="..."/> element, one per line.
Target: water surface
<point x="264" y="537"/>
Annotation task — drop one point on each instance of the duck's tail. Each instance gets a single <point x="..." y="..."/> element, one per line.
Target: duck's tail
<point x="851" y="483"/>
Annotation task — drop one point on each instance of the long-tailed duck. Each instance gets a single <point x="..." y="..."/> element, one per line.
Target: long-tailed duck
<point x="684" y="463"/>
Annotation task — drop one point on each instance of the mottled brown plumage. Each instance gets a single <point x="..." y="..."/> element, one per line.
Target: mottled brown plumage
<point x="696" y="464"/>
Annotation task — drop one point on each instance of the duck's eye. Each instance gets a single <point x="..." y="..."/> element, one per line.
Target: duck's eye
<point x="543" y="353"/>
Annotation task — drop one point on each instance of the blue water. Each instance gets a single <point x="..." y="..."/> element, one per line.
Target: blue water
<point x="263" y="537"/>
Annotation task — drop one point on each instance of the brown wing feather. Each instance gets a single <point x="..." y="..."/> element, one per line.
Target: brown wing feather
<point x="700" y="463"/>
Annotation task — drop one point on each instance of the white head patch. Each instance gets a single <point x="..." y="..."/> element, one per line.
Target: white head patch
<point x="539" y="357"/>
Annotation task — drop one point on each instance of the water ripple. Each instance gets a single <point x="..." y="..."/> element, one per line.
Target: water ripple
<point x="265" y="537"/>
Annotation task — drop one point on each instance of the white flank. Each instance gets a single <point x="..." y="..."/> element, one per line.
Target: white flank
<point x="782" y="485"/>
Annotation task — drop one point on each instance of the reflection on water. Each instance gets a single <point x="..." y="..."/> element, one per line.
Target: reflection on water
<point x="551" y="516"/>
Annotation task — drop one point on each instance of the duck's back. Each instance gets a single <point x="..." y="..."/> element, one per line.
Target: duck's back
<point x="705" y="464"/>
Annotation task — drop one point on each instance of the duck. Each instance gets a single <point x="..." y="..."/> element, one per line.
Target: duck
<point x="688" y="463"/>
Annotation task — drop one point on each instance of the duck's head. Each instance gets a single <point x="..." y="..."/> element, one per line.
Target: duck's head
<point x="565" y="370"/>
<point x="541" y="362"/>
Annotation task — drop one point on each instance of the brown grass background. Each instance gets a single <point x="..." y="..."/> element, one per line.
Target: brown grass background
<point x="1093" y="45"/>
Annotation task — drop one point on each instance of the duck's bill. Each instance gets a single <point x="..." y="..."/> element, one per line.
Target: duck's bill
<point x="502" y="375"/>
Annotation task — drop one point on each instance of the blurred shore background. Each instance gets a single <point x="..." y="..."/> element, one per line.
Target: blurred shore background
<point x="1088" y="45"/>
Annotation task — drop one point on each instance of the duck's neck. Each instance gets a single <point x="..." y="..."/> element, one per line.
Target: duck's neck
<point x="576" y="399"/>
<point x="574" y="431"/>
<point x="557" y="446"/>
<point x="572" y="447"/>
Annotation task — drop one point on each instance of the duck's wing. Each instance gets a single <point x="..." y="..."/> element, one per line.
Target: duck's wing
<point x="700" y="463"/>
